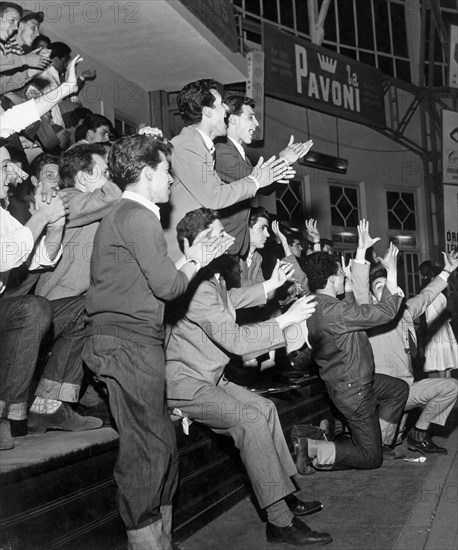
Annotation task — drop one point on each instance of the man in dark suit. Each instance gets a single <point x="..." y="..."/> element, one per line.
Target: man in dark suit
<point x="341" y="348"/>
<point x="198" y="348"/>
<point x="232" y="164"/>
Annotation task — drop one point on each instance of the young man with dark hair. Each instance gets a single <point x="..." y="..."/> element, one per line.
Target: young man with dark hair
<point x="232" y="163"/>
<point x="83" y="172"/>
<point x="341" y="349"/>
<point x="131" y="279"/>
<point x="198" y="349"/>
<point x="196" y="182"/>
<point x="94" y="129"/>
<point x="44" y="172"/>
<point x="25" y="320"/>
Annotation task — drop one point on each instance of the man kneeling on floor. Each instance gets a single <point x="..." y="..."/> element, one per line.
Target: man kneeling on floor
<point x="197" y="352"/>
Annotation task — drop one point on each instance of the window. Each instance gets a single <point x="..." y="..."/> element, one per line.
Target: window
<point x="291" y="204"/>
<point x="401" y="210"/>
<point x="344" y="206"/>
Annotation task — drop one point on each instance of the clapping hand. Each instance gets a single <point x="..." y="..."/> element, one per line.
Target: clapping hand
<point x="205" y="248"/>
<point x="295" y="151"/>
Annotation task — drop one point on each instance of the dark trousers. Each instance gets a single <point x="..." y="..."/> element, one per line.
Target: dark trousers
<point x="362" y="407"/>
<point x="146" y="470"/>
<point x="24" y="322"/>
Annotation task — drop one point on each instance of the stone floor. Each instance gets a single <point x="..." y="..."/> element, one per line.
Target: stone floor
<point x="401" y="506"/>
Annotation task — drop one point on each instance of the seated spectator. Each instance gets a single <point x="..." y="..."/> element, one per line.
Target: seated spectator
<point x="341" y="349"/>
<point x="74" y="118"/>
<point x="41" y="41"/>
<point x="83" y="172"/>
<point x="94" y="129"/>
<point x="198" y="349"/>
<point x="17" y="68"/>
<point x="44" y="172"/>
<point x="393" y="345"/>
<point x="29" y="29"/>
<point x="24" y="321"/>
<point x="327" y="246"/>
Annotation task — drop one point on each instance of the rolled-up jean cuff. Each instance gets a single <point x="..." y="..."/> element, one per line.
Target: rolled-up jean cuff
<point x="13" y="411"/>
<point x="62" y="391"/>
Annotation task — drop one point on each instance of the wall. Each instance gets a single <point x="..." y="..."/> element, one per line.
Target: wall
<point x="373" y="159"/>
<point x="111" y="88"/>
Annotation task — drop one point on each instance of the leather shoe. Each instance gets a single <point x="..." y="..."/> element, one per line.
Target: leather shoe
<point x="303" y="460"/>
<point x="426" y="446"/>
<point x="297" y="534"/>
<point x="65" y="418"/>
<point x="101" y="410"/>
<point x="302" y="507"/>
<point x="6" y="441"/>
<point x="391" y="454"/>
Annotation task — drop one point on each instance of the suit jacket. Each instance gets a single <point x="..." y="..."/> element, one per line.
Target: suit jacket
<point x="337" y="334"/>
<point x="199" y="345"/>
<point x="71" y="276"/>
<point x="196" y="184"/>
<point x="390" y="342"/>
<point x="231" y="166"/>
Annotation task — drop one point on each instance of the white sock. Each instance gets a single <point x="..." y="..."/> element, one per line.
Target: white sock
<point x="45" y="406"/>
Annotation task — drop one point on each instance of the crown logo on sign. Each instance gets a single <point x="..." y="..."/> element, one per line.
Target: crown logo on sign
<point x="327" y="64"/>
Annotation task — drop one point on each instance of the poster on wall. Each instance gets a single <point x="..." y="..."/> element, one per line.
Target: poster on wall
<point x="299" y="72"/>
<point x="451" y="217"/>
<point x="453" y="65"/>
<point x="450" y="147"/>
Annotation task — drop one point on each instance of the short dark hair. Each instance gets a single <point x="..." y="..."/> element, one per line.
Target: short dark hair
<point x="194" y="97"/>
<point x="10" y="5"/>
<point x="256" y="213"/>
<point x="235" y="104"/>
<point x="40" y="161"/>
<point x="91" y="122"/>
<point x="41" y="38"/>
<point x="130" y="154"/>
<point x="324" y="241"/>
<point x="193" y="223"/>
<point x="319" y="266"/>
<point x="71" y="118"/>
<point x="78" y="158"/>
<point x="376" y="271"/>
<point x="28" y="15"/>
<point x="60" y="50"/>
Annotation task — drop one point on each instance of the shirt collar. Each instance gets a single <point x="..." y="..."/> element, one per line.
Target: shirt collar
<point x="208" y="142"/>
<point x="239" y="148"/>
<point x="130" y="195"/>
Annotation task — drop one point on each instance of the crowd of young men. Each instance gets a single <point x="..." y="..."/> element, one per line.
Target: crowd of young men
<point x="109" y="311"/>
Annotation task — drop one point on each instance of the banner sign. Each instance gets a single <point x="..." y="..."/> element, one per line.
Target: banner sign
<point x="300" y="72"/>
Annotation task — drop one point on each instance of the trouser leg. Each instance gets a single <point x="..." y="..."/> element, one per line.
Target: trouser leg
<point x="391" y="395"/>
<point x="146" y="470"/>
<point x="253" y="423"/>
<point x="23" y="323"/>
<point x="63" y="373"/>
<point x="438" y="397"/>
<point x="359" y="406"/>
